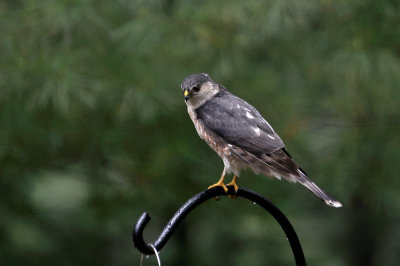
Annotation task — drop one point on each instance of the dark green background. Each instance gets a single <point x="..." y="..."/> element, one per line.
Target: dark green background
<point x="94" y="130"/>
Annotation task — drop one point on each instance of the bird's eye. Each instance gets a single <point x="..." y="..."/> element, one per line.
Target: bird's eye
<point x="196" y="88"/>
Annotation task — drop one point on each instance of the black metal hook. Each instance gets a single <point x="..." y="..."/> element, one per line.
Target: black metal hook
<point x="192" y="203"/>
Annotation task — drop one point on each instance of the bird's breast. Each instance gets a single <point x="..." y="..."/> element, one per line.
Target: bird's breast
<point x="220" y="148"/>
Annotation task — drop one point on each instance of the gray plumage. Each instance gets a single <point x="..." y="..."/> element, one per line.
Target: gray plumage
<point x="240" y="135"/>
<point x="239" y="123"/>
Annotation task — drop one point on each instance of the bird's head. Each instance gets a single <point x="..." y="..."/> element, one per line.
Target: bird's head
<point x="198" y="88"/>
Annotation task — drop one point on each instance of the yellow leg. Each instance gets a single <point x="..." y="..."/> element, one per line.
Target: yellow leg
<point x="233" y="183"/>
<point x="220" y="182"/>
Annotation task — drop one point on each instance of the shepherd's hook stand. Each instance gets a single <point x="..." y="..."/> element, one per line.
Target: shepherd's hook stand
<point x="192" y="203"/>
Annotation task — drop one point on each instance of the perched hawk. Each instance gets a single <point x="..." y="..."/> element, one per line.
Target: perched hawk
<point x="240" y="135"/>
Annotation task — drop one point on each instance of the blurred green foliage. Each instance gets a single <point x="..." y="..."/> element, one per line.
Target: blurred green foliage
<point x="94" y="130"/>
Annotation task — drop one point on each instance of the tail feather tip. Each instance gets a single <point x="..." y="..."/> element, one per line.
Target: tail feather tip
<point x="333" y="203"/>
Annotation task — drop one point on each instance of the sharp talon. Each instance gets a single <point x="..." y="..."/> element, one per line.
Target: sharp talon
<point x="233" y="183"/>
<point x="232" y="196"/>
<point x="219" y="184"/>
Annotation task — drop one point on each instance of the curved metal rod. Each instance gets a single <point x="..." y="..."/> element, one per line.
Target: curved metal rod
<point x="192" y="203"/>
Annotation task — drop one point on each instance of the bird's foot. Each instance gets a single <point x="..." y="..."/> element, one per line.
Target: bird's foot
<point x="235" y="186"/>
<point x="219" y="184"/>
<point x="233" y="183"/>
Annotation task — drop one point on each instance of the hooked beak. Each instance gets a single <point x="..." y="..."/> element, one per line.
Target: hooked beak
<point x="186" y="94"/>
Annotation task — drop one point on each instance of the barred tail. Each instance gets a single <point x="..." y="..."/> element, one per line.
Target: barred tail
<point x="280" y="164"/>
<point x="305" y="181"/>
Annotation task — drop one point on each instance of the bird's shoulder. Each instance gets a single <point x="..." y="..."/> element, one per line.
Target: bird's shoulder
<point x="239" y="123"/>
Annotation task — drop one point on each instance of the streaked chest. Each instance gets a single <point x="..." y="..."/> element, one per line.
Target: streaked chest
<point x="221" y="148"/>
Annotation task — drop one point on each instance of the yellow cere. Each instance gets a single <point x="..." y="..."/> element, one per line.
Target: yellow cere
<point x="186" y="93"/>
